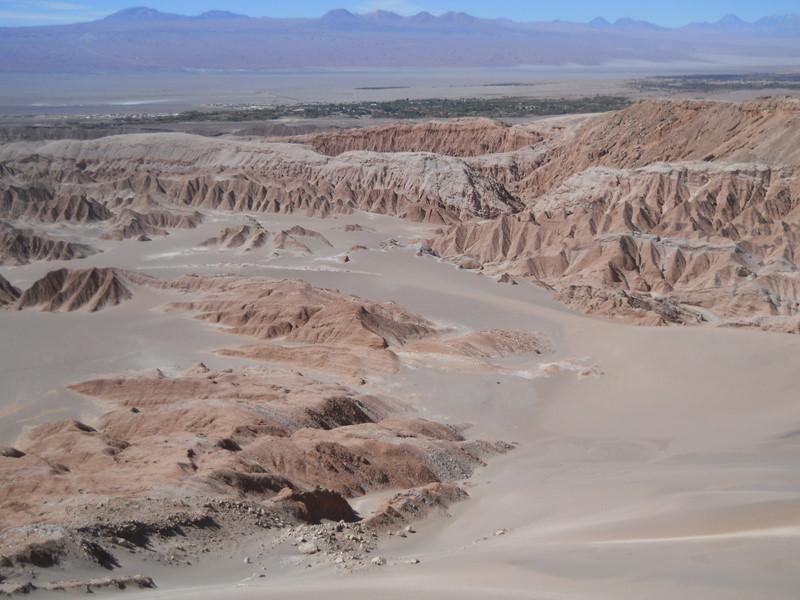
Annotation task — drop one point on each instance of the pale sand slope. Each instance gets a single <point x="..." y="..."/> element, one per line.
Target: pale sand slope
<point x="673" y="474"/>
<point x="666" y="478"/>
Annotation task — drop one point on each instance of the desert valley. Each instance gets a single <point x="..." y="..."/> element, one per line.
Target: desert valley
<point x="554" y="356"/>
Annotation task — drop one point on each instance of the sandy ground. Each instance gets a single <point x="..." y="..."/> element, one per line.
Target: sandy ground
<point x="131" y="92"/>
<point x="672" y="474"/>
<point x="30" y="94"/>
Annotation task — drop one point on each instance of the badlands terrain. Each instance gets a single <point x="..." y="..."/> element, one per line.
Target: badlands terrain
<point x="454" y="359"/>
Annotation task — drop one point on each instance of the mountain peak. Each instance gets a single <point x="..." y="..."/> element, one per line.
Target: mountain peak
<point x="221" y="14"/>
<point x="460" y="17"/>
<point x="423" y="16"/>
<point x="730" y="20"/>
<point x="599" y="22"/>
<point x="626" y="23"/>
<point x="140" y="13"/>
<point x="384" y="14"/>
<point x="339" y="14"/>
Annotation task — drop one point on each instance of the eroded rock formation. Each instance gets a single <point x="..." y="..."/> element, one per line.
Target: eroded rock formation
<point x="132" y="224"/>
<point x="8" y="293"/>
<point x="615" y="230"/>
<point x="20" y="246"/>
<point x="249" y="236"/>
<point x="259" y="176"/>
<point x="68" y="290"/>
<point x="39" y="202"/>
<point x="665" y="212"/>
<point x="459" y="137"/>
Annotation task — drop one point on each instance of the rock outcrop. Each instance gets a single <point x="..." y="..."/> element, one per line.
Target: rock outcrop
<point x="132" y="224"/>
<point x="290" y="425"/>
<point x="8" y="293"/>
<point x="666" y="212"/>
<point x="297" y="311"/>
<point x="300" y="239"/>
<point x="325" y="330"/>
<point x="458" y="137"/>
<point x="68" y="290"/>
<point x="38" y="201"/>
<point x="287" y="444"/>
<point x="253" y="235"/>
<point x="21" y="246"/>
<point x="249" y="236"/>
<point x="668" y="243"/>
<point x="415" y="504"/>
<point x="252" y="175"/>
<point x="244" y="448"/>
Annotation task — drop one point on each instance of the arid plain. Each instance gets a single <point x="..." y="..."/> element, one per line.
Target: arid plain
<point x="453" y="359"/>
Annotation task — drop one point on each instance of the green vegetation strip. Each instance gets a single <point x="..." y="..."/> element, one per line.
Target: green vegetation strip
<point x="719" y="83"/>
<point x="408" y="109"/>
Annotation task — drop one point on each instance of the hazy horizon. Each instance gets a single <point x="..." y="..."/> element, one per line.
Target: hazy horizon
<point x="14" y="13"/>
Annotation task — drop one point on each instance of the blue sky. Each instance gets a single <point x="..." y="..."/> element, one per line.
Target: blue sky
<point x="669" y="13"/>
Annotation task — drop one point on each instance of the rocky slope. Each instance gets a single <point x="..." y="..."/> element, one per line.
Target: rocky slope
<point x="297" y="311"/>
<point x="665" y="212"/>
<point x="68" y="290"/>
<point x="764" y="132"/>
<point x="459" y="137"/>
<point x="268" y="440"/>
<point x="8" y="293"/>
<point x="21" y="246"/>
<point x="38" y="201"/>
<point x="615" y="230"/>
<point x="496" y="343"/>
<point x="676" y="240"/>
<point x="132" y="224"/>
<point x="244" y="433"/>
<point x="249" y="236"/>
<point x="305" y="326"/>
<point x="253" y="235"/>
<point x="254" y="175"/>
<point x="218" y="455"/>
<point x="300" y="238"/>
<point x="298" y="324"/>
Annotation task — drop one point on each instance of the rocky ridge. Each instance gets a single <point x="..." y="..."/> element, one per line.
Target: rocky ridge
<point x="21" y="246"/>
<point x="298" y="324"/>
<point x="132" y="224"/>
<point x="8" y="293"/>
<point x="664" y="212"/>
<point x="219" y="455"/>
<point x="200" y="172"/>
<point x="458" y="137"/>
<point x="614" y="229"/>
<point x="66" y="290"/>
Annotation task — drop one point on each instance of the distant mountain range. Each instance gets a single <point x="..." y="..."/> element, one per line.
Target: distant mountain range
<point x="145" y="38"/>
<point x="143" y="13"/>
